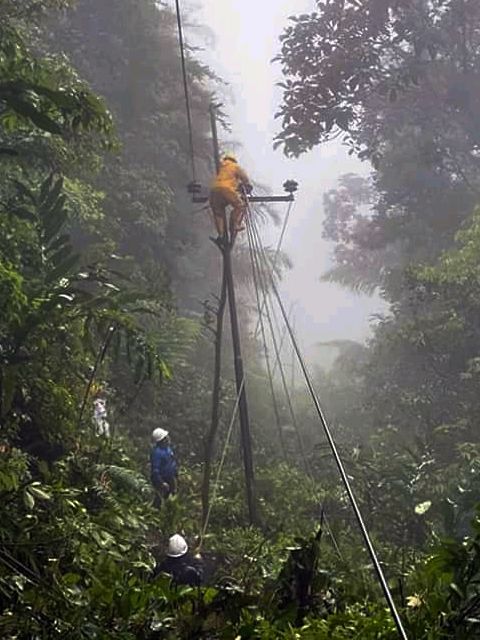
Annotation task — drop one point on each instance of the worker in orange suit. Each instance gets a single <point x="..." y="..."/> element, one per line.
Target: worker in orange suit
<point x="228" y="188"/>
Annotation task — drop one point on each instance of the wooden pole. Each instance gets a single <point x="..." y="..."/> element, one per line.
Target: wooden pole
<point x="237" y="350"/>
<point x="241" y="391"/>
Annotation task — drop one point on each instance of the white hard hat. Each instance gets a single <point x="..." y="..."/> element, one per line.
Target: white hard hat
<point x="177" y="546"/>
<point x="159" y="434"/>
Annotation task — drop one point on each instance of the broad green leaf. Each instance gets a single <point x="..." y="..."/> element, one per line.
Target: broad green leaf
<point x="423" y="507"/>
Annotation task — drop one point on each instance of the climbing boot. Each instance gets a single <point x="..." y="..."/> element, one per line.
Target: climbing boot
<point x="219" y="241"/>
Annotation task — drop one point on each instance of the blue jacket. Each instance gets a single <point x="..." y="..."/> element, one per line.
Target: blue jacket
<point x="163" y="464"/>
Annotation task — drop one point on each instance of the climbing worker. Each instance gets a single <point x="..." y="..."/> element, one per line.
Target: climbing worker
<point x="228" y="188"/>
<point x="180" y="564"/>
<point x="163" y="466"/>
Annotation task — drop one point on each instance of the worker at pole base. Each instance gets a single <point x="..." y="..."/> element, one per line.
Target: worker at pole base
<point x="180" y="565"/>
<point x="228" y="188"/>
<point x="163" y="466"/>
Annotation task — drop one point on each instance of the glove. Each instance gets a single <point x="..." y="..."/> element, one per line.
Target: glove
<point x="248" y="188"/>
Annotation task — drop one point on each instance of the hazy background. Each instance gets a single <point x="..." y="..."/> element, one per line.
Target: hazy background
<point x="245" y="39"/>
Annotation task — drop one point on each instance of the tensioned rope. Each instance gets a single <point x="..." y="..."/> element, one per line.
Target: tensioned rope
<point x="185" y="87"/>
<point x="332" y="537"/>
<point x="220" y="465"/>
<point x="343" y="474"/>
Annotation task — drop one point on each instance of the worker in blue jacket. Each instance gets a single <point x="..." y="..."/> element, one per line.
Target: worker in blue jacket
<point x="163" y="465"/>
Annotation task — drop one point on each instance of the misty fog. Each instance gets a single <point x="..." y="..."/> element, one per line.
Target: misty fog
<point x="245" y="41"/>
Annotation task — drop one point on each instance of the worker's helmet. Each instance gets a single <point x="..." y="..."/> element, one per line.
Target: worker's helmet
<point x="177" y="546"/>
<point x="229" y="156"/>
<point x="159" y="434"/>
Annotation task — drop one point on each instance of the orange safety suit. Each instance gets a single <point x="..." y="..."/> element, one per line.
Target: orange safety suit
<point x="225" y="191"/>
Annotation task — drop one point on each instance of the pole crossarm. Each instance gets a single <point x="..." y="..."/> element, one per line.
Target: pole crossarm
<point x="289" y="198"/>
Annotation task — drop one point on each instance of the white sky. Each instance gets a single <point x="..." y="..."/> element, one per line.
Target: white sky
<point x="246" y="39"/>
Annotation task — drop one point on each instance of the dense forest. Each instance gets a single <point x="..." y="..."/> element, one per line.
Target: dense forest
<point x="110" y="288"/>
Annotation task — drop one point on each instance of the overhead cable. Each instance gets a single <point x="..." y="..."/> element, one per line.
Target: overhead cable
<point x="279" y="244"/>
<point x="185" y="87"/>
<point x="343" y="474"/>
<point x="265" y="347"/>
<point x="260" y="270"/>
<point x="254" y="252"/>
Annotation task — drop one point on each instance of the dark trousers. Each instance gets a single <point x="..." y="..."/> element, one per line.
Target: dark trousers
<point x="164" y="490"/>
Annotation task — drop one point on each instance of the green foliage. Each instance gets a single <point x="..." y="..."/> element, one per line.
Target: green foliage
<point x="446" y="602"/>
<point x="346" y="56"/>
<point x="74" y="560"/>
<point x="42" y="98"/>
<point x="74" y="544"/>
<point x="460" y="266"/>
<point x="398" y="82"/>
<point x="146" y="202"/>
<point x="93" y="270"/>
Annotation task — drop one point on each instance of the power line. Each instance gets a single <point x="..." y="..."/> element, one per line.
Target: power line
<point x="256" y="253"/>
<point x="185" y="87"/>
<point x="262" y="252"/>
<point x="265" y="349"/>
<point x="282" y="233"/>
<point x="282" y="340"/>
<point x="270" y="376"/>
<point x="373" y="556"/>
<point x="277" y="361"/>
<point x="279" y="244"/>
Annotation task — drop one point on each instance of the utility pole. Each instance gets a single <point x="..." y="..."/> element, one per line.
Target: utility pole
<point x="226" y="249"/>
<point x="237" y="351"/>
<point x="241" y="390"/>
